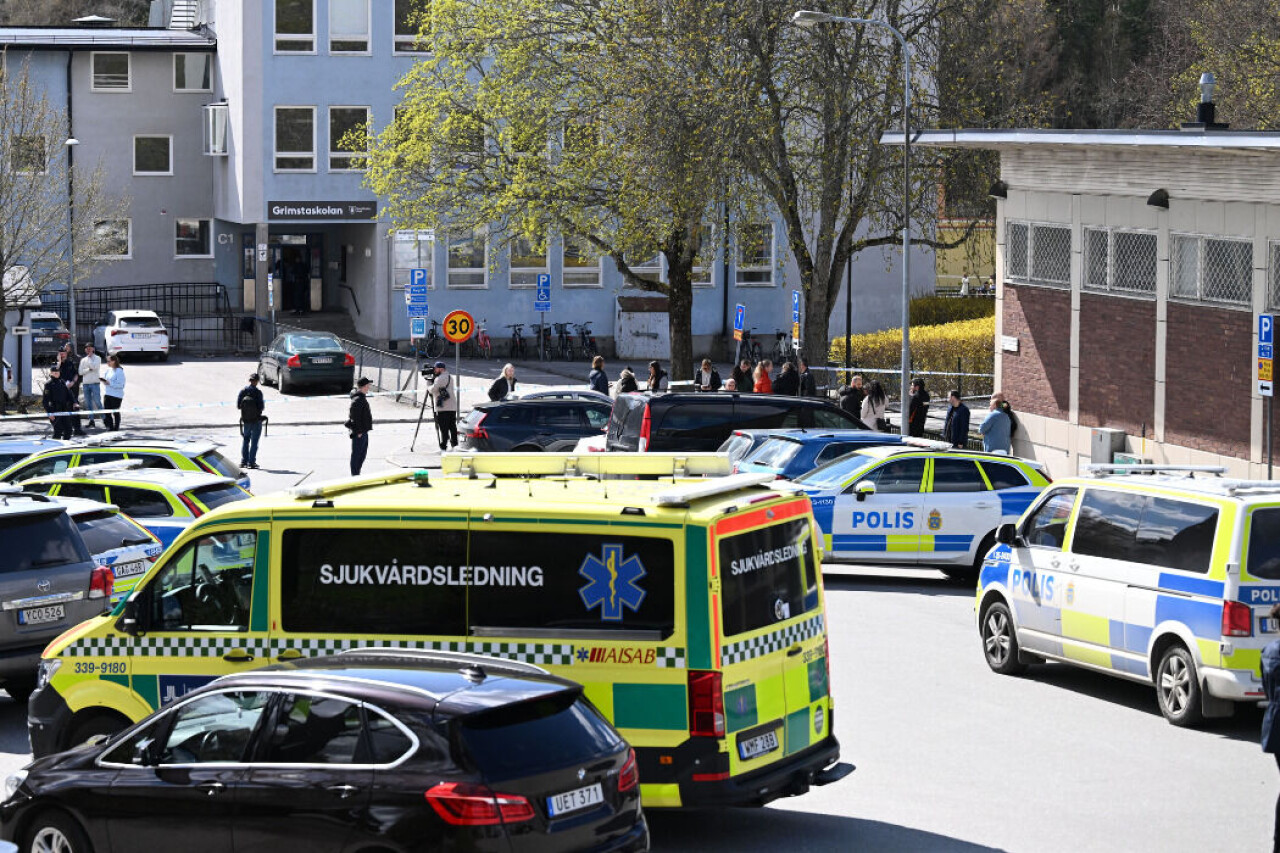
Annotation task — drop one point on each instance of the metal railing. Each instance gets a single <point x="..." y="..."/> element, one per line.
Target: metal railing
<point x="939" y="382"/>
<point x="388" y="371"/>
<point x="198" y="315"/>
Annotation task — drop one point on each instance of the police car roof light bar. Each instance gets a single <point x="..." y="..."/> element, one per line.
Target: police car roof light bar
<point x="686" y="493"/>
<point x="329" y="488"/>
<point x="1102" y="469"/>
<point x="927" y="443"/>
<point x="106" y="467"/>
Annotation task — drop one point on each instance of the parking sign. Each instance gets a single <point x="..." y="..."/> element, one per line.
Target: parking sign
<point x="542" y="300"/>
<point x="418" y="327"/>
<point x="1265" y="354"/>
<point x="418" y="277"/>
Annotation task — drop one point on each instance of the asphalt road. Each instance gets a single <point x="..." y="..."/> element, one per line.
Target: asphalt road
<point x="950" y="756"/>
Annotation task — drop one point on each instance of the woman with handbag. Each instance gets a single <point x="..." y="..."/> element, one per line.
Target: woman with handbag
<point x="873" y="406"/>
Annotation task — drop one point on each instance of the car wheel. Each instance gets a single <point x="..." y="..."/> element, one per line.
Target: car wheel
<point x="1178" y="687"/>
<point x="99" y="723"/>
<point x="20" y="689"/>
<point x="1000" y="641"/>
<point x="527" y="448"/>
<point x="285" y="386"/>
<point x="164" y="356"/>
<point x="55" y="832"/>
<point x="262" y="374"/>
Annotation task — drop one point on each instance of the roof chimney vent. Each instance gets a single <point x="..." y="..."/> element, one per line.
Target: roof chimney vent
<point x="94" y="21"/>
<point x="1206" y="110"/>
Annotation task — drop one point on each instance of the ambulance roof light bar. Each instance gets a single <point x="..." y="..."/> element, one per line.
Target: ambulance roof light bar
<point x="587" y="464"/>
<point x="1103" y="469"/>
<point x="329" y="488"/>
<point x="686" y="493"/>
<point x="106" y="467"/>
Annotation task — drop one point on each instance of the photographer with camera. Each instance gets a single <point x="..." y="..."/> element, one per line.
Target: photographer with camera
<point x="445" y="399"/>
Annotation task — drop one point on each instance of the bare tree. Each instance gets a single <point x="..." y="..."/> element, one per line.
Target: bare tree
<point x="62" y="12"/>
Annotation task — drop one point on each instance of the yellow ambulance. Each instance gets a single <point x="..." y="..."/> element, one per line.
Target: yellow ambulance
<point x="690" y="607"/>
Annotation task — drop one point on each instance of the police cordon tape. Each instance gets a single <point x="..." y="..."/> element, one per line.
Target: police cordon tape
<point x="42" y="415"/>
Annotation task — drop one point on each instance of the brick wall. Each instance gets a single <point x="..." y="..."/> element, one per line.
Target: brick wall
<point x="1209" y="376"/>
<point x="1117" y="363"/>
<point x="1037" y="378"/>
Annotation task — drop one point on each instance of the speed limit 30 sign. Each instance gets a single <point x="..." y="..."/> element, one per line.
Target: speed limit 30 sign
<point x="458" y="326"/>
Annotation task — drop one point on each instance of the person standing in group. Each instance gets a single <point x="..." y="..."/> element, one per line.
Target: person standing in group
<point x="741" y="376"/>
<point x="112" y="392"/>
<point x="70" y="375"/>
<point x="251" y="405"/>
<point x="1270" y="730"/>
<point x="359" y="422"/>
<point x="504" y="384"/>
<point x="761" y="382"/>
<point x="956" y="427"/>
<point x="873" y="407"/>
<point x="808" y="385"/>
<point x="446" y="401"/>
<point x="964" y="284"/>
<point x="58" y="403"/>
<point x="657" y="378"/>
<point x="626" y="382"/>
<point x="996" y="427"/>
<point x="90" y="379"/>
<point x="730" y="384"/>
<point x="707" y="378"/>
<point x="918" y="409"/>
<point x="852" y="395"/>
<point x="788" y="381"/>
<point x="596" y="379"/>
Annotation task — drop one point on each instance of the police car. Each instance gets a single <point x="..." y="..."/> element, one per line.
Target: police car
<point x="114" y="540"/>
<point x="918" y="503"/>
<point x="795" y="452"/>
<point x="184" y="454"/>
<point x="1165" y="578"/>
<point x="162" y="500"/>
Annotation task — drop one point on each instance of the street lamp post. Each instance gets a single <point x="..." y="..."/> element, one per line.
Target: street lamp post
<point x="70" y="145"/>
<point x="806" y="18"/>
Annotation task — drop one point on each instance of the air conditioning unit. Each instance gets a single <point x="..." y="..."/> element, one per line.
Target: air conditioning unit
<point x="1105" y="443"/>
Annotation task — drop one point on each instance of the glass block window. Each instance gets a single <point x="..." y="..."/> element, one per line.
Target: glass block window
<point x="1038" y="254"/>
<point x="1016" y="240"/>
<point x="1120" y="261"/>
<point x="1273" y="276"/>
<point x="1211" y="269"/>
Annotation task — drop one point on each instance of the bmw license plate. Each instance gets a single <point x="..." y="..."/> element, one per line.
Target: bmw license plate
<point x="128" y="570"/>
<point x="40" y="615"/>
<point x="322" y="360"/>
<point x="1267" y="625"/>
<point x="43" y="340"/>
<point x="572" y="801"/>
<point x="142" y="336"/>
<point x="757" y="746"/>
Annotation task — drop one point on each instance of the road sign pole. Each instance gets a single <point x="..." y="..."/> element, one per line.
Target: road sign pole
<point x="1270" y="410"/>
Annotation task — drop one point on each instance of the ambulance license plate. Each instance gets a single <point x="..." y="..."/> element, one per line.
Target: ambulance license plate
<point x="757" y="746"/>
<point x="128" y="570"/>
<point x="1267" y="625"/>
<point x="40" y="615"/>
<point x="322" y="360"/>
<point x="572" y="801"/>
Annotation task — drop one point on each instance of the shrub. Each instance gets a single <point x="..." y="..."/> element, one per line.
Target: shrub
<point x="968" y="345"/>
<point x="937" y="310"/>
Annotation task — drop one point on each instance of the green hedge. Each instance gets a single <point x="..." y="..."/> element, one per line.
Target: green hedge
<point x="937" y="310"/>
<point x="967" y="347"/>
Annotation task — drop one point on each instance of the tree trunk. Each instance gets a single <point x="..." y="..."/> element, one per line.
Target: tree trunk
<point x="680" y="319"/>
<point x="816" y="343"/>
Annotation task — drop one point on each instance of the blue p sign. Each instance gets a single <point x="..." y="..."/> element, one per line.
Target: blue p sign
<point x="1266" y="328"/>
<point x="418" y="276"/>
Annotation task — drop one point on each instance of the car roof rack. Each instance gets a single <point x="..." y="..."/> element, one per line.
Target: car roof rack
<point x="598" y="465"/>
<point x="105" y="467"/>
<point x="1104" y="469"/>
<point x="463" y="660"/>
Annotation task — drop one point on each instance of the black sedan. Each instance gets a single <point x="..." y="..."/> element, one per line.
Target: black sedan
<point x="392" y="750"/>
<point x="533" y="424"/>
<point x="307" y="360"/>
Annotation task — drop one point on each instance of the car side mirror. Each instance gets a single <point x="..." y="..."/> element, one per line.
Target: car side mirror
<point x="146" y="753"/>
<point x="128" y="623"/>
<point x="864" y="489"/>
<point x="1007" y="534"/>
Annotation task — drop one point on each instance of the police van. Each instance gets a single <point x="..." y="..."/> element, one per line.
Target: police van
<point x="692" y="610"/>
<point x="1163" y="575"/>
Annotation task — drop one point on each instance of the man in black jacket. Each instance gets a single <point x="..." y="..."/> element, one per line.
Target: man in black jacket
<point x="359" y="421"/>
<point x="808" y="385"/>
<point x="250" y="403"/>
<point x="918" y="412"/>
<point x="788" y="381"/>
<point x="707" y="378"/>
<point x="956" y="427"/>
<point x="58" y="402"/>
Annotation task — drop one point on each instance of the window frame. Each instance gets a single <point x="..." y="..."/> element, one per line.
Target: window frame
<point x="208" y="58"/>
<point x="1068" y="527"/>
<point x="1028" y="261"/>
<point x="771" y="267"/>
<point x="399" y="39"/>
<point x="277" y="36"/>
<point x="583" y="269"/>
<point x="128" y="230"/>
<point x="368" y="710"/>
<point x="349" y="37"/>
<point x="139" y="136"/>
<point x="533" y="272"/>
<point x="1201" y="250"/>
<point x="476" y="233"/>
<point x="277" y="154"/>
<point x="177" y="222"/>
<point x="418" y="238"/>
<point x="351" y="155"/>
<point x="93" y="72"/>
<point x="1110" y="285"/>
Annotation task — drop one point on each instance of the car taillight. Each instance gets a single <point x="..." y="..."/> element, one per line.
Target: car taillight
<point x="1237" y="619"/>
<point x="706" y="704"/>
<point x="64" y="336"/>
<point x="191" y="505"/>
<point x="475" y="430"/>
<point x="348" y="360"/>
<point x="465" y="804"/>
<point x="115" y="332"/>
<point x="101" y="582"/>
<point x="294" y="361"/>
<point x="645" y="424"/>
<point x="628" y="777"/>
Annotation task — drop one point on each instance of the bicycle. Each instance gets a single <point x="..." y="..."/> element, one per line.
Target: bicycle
<point x="542" y="336"/>
<point x="565" y="341"/>
<point x="517" y="341"/>
<point x="587" y="340"/>
<point x="750" y="347"/>
<point x="433" y="345"/>
<point x="479" y="345"/>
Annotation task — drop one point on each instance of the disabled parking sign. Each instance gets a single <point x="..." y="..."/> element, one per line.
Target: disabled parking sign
<point x="1266" y="354"/>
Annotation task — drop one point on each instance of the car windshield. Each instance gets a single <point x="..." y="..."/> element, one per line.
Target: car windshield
<point x="220" y="463"/>
<point x="40" y="541"/>
<point x="307" y="343"/>
<point x="223" y="493"/>
<point x="775" y="453"/>
<point x="139" y="323"/>
<point x="46" y="323"/>
<point x="736" y="446"/>
<point x="836" y="472"/>
<point x="105" y="531"/>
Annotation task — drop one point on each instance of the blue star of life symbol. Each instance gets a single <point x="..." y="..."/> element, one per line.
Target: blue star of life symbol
<point x="613" y="582"/>
<point x="583" y="654"/>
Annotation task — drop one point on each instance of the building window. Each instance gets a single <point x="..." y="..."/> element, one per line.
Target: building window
<point x="193" y="72"/>
<point x="700" y="276"/>
<point x="348" y="26"/>
<point x="1211" y="269"/>
<point x="153" y="155"/>
<point x="755" y="256"/>
<point x="1273" y="277"/>
<point x="410" y="20"/>
<point x="649" y="269"/>
<point x="581" y="263"/>
<point x="295" y="139"/>
<point x="348" y="139"/>
<point x="111" y="72"/>
<point x="193" y="238"/>
<point x="467" y="259"/>
<point x="113" y="238"/>
<point x="295" y="26"/>
<point x="1037" y="253"/>
<point x="412" y="250"/>
<point x="527" y="263"/>
<point x="1120" y="261"/>
<point x="29" y="155"/>
<point x="216" y="119"/>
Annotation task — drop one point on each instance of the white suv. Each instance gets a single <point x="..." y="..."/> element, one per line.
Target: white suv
<point x="132" y="331"/>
